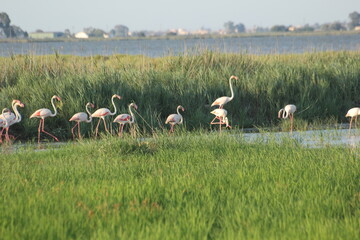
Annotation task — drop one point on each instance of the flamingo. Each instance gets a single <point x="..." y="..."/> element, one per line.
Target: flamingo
<point x="221" y="101"/>
<point x="103" y="112"/>
<point x="3" y="122"/>
<point x="353" y="113"/>
<point x="174" y="118"/>
<point x="43" y="113"/>
<point x="122" y="119"/>
<point x="221" y="115"/>
<point x="288" y="111"/>
<point x="11" y="118"/>
<point x="81" y="117"/>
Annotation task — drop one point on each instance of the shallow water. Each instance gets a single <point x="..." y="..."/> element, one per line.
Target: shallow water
<point x="310" y="139"/>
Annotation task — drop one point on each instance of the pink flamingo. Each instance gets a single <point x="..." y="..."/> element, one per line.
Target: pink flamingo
<point x="221" y="115"/>
<point x="44" y="113"/>
<point x="103" y="112"/>
<point x="122" y="119"/>
<point x="11" y="118"/>
<point x="353" y="113"/>
<point x="81" y="117"/>
<point x="221" y="101"/>
<point x="174" y="118"/>
<point x="288" y="111"/>
<point x="3" y="122"/>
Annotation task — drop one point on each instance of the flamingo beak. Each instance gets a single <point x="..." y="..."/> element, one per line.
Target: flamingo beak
<point x="119" y="97"/>
<point x="183" y="109"/>
<point x="22" y="105"/>
<point x="58" y="98"/>
<point x="136" y="107"/>
<point x="92" y="106"/>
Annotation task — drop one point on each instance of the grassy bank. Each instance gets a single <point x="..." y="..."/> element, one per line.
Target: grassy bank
<point x="189" y="187"/>
<point x="322" y="85"/>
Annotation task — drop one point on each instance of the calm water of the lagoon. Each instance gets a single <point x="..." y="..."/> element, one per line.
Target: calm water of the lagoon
<point x="163" y="47"/>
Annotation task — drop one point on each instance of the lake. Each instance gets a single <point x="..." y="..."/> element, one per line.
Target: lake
<point x="164" y="47"/>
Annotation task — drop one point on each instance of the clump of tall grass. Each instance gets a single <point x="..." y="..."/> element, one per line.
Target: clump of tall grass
<point x="322" y="84"/>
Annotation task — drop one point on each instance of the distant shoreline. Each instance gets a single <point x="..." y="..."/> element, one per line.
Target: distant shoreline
<point x="208" y="36"/>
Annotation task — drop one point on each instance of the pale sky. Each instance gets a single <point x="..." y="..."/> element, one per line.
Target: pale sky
<point x="75" y="15"/>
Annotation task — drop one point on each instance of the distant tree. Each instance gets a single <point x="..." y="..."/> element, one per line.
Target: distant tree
<point x="94" y="32"/>
<point x="229" y="27"/>
<point x="139" y="34"/>
<point x="119" y="31"/>
<point x="4" y="20"/>
<point x="335" y="26"/>
<point x="279" y="28"/>
<point x="240" y="28"/>
<point x="67" y="33"/>
<point x="354" y="20"/>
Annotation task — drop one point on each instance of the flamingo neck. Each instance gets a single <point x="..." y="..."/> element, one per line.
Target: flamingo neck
<point x="132" y="115"/>
<point x="231" y="89"/>
<point x="17" y="114"/>
<point x="280" y="112"/>
<point x="5" y="124"/>
<point x="53" y="105"/>
<point x="112" y="100"/>
<point x="285" y="114"/>
<point x="87" y="110"/>
<point x="181" y="118"/>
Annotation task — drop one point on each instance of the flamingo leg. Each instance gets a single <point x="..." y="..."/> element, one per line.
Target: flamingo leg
<point x="97" y="128"/>
<point x="47" y="132"/>
<point x="79" y="132"/>
<point x="121" y="127"/>
<point x="350" y="124"/>
<point x="1" y="133"/>
<point x="72" y="131"/>
<point x="7" y="135"/>
<point x="106" y="129"/>
<point x="355" y="120"/>
<point x="39" y="130"/>
<point x="291" y="123"/>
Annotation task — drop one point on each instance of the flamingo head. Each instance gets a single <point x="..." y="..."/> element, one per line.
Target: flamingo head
<point x="182" y="108"/>
<point x="234" y="77"/>
<point x="90" y="104"/>
<point x="18" y="102"/>
<point x="134" y="105"/>
<point x="56" y="97"/>
<point x="116" y="96"/>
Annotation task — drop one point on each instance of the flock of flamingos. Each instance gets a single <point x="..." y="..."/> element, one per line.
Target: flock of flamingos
<point x="9" y="118"/>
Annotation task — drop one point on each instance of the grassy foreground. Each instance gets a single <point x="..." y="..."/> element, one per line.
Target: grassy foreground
<point x="187" y="187"/>
<point x="323" y="85"/>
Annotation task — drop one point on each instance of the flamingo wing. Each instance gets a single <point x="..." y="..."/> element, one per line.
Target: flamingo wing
<point x="80" y="117"/>
<point x="220" y="101"/>
<point x="122" y="118"/>
<point x="173" y="119"/>
<point x="40" y="113"/>
<point x="102" y="112"/>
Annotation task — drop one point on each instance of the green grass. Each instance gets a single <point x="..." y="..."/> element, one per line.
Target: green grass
<point x="193" y="186"/>
<point x="323" y="85"/>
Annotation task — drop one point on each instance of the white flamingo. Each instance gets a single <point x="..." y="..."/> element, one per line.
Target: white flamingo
<point x="81" y="117"/>
<point x="353" y="113"/>
<point x="174" y="118"/>
<point x="221" y="101"/>
<point x="3" y="122"/>
<point x="288" y="111"/>
<point x="124" y="118"/>
<point x="103" y="112"/>
<point x="43" y="113"/>
<point x="221" y="115"/>
<point x="11" y="118"/>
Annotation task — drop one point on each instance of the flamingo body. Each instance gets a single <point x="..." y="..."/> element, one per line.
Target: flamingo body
<point x="43" y="113"/>
<point x="221" y="101"/>
<point x="81" y="117"/>
<point x="125" y="118"/>
<point x="101" y="113"/>
<point x="353" y="113"/>
<point x="288" y="111"/>
<point x="174" y="118"/>
<point x="221" y="115"/>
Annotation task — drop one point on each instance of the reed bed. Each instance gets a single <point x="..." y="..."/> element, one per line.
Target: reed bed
<point x="323" y="85"/>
